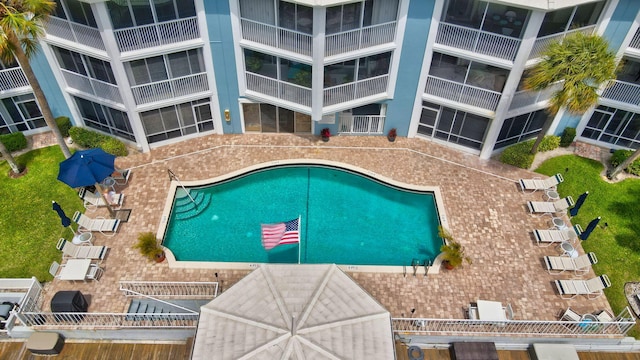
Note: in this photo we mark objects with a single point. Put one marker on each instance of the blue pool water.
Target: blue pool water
(346, 219)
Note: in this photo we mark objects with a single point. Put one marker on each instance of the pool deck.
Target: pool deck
(485, 209)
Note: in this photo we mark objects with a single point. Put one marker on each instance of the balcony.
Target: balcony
(276, 37)
(361, 124)
(359, 38)
(75, 32)
(12, 79)
(541, 43)
(466, 94)
(635, 42)
(355, 90)
(526, 98)
(170, 32)
(279, 89)
(98, 88)
(169, 89)
(478, 41)
(622, 91)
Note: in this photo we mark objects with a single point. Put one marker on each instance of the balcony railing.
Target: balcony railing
(355, 90)
(479, 41)
(277, 37)
(361, 124)
(466, 94)
(635, 42)
(541, 43)
(183, 290)
(12, 79)
(78, 33)
(109, 321)
(172, 88)
(623, 91)
(279, 89)
(94, 87)
(359, 38)
(526, 98)
(170, 32)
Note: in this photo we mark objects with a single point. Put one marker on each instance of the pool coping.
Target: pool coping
(173, 187)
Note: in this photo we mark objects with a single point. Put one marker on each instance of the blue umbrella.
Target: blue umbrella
(592, 225)
(65, 219)
(576, 207)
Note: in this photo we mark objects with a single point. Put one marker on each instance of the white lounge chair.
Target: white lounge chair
(592, 288)
(72, 250)
(92, 200)
(580, 265)
(540, 184)
(550, 208)
(102, 225)
(554, 236)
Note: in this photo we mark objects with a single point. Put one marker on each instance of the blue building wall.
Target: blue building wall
(49, 85)
(413, 47)
(222, 52)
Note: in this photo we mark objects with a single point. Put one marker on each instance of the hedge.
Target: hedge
(91, 139)
(519, 154)
(567, 137)
(619, 156)
(14, 141)
(64, 124)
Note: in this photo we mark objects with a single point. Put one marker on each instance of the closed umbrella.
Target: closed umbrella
(88, 167)
(579, 202)
(592, 225)
(65, 219)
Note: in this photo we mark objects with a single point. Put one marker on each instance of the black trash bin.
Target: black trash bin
(67, 302)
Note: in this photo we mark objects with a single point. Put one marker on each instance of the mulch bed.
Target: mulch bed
(631, 290)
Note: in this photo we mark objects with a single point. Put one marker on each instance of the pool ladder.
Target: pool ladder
(415, 263)
(173, 176)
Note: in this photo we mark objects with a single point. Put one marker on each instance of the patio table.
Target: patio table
(75, 269)
(490, 310)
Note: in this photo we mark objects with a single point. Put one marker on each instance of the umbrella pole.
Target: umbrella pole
(112, 212)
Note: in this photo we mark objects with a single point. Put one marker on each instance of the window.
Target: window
(520, 128)
(354, 70)
(614, 126)
(566, 19)
(106, 119)
(84, 65)
(278, 68)
(177, 120)
(24, 114)
(164, 67)
(453, 126)
(79, 12)
(468, 72)
(129, 13)
(491, 17)
(295, 17)
(267, 118)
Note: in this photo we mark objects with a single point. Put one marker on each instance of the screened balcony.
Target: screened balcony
(157, 34)
(542, 42)
(355, 90)
(277, 37)
(626, 88)
(12, 79)
(279, 89)
(479, 41)
(359, 38)
(171, 88)
(97, 88)
(74, 32)
(524, 98)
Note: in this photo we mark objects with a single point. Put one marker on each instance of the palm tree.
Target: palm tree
(614, 174)
(580, 64)
(20, 29)
(7, 156)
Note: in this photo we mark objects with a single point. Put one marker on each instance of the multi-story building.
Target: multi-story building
(448, 71)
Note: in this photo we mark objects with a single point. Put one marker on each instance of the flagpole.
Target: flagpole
(299, 237)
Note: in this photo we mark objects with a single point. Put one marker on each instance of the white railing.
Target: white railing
(12, 79)
(168, 89)
(170, 32)
(113, 321)
(466, 94)
(622, 91)
(361, 124)
(355, 90)
(279, 89)
(525, 97)
(277, 37)
(78, 33)
(359, 38)
(541, 43)
(94, 87)
(183, 290)
(635, 42)
(479, 41)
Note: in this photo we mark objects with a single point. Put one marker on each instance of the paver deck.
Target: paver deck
(485, 208)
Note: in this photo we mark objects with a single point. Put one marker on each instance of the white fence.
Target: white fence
(359, 38)
(91, 86)
(141, 37)
(106, 321)
(361, 124)
(78, 33)
(277, 37)
(467, 94)
(622, 91)
(12, 79)
(479, 41)
(355, 90)
(171, 88)
(279, 89)
(183, 290)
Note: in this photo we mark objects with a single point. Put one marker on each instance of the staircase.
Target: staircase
(149, 306)
(184, 208)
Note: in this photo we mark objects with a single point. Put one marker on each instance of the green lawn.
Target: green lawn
(29, 228)
(617, 246)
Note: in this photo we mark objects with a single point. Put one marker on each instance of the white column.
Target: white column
(101, 14)
(317, 78)
(528, 40)
(210, 69)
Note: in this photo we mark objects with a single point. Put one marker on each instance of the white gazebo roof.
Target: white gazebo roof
(294, 312)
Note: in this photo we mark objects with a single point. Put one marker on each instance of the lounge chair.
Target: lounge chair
(540, 184)
(592, 288)
(550, 208)
(570, 315)
(102, 225)
(580, 265)
(93, 201)
(121, 176)
(555, 236)
(72, 250)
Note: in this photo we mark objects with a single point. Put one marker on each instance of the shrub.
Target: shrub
(567, 136)
(14, 141)
(518, 155)
(621, 155)
(64, 124)
(91, 139)
(548, 143)
(114, 146)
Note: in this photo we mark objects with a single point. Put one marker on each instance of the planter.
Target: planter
(160, 257)
(447, 265)
(391, 138)
(325, 138)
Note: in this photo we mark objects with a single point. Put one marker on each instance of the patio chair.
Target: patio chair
(570, 315)
(540, 184)
(592, 288)
(100, 224)
(550, 208)
(95, 272)
(121, 176)
(580, 265)
(604, 316)
(71, 250)
(555, 236)
(92, 200)
(53, 269)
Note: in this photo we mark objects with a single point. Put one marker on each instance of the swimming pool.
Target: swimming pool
(348, 217)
